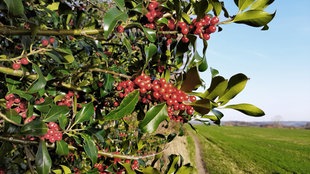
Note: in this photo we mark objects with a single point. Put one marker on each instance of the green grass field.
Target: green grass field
(255, 150)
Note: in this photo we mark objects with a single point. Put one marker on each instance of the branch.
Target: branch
(17, 141)
(9, 120)
(77, 32)
(109, 72)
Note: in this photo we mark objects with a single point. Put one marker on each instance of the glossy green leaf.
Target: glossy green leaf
(85, 113)
(63, 121)
(201, 106)
(214, 72)
(39, 83)
(261, 4)
(255, 18)
(150, 170)
(34, 128)
(66, 170)
(217, 7)
(69, 58)
(235, 85)
(149, 50)
(62, 148)
(162, 21)
(15, 7)
(45, 106)
(150, 34)
(14, 116)
(111, 19)
(186, 18)
(191, 80)
(217, 87)
(203, 66)
(55, 112)
(153, 118)
(55, 56)
(243, 4)
(200, 8)
(90, 147)
(247, 109)
(126, 107)
(128, 168)
(43, 160)
(184, 169)
(219, 115)
(173, 166)
(120, 4)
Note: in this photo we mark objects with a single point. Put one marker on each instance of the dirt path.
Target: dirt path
(179, 146)
(200, 163)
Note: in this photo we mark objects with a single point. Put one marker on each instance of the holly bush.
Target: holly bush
(101, 86)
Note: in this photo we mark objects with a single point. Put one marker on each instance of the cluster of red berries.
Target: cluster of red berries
(67, 100)
(17, 65)
(158, 91)
(53, 133)
(16, 103)
(46, 42)
(202, 27)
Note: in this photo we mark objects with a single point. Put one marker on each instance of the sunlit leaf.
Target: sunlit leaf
(153, 118)
(217, 87)
(261, 4)
(247, 109)
(55, 112)
(126, 107)
(255, 18)
(243, 4)
(235, 85)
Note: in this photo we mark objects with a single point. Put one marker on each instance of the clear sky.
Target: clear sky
(277, 61)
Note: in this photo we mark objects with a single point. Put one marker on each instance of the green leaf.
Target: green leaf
(150, 170)
(126, 107)
(62, 148)
(185, 169)
(261, 4)
(191, 80)
(217, 87)
(153, 118)
(120, 4)
(110, 20)
(14, 116)
(150, 34)
(90, 147)
(55, 112)
(235, 85)
(217, 7)
(34, 128)
(150, 50)
(45, 106)
(200, 8)
(63, 121)
(39, 83)
(66, 170)
(85, 113)
(128, 168)
(243, 4)
(201, 106)
(254, 18)
(247, 109)
(43, 159)
(15, 7)
(214, 72)
(174, 159)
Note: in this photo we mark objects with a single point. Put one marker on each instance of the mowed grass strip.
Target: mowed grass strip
(255, 150)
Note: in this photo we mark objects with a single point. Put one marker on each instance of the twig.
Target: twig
(17, 141)
(109, 72)
(9, 120)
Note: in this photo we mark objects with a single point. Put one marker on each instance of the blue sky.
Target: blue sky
(277, 61)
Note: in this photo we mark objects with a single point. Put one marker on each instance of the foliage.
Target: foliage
(90, 86)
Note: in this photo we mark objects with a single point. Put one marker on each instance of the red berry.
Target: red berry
(212, 29)
(214, 20)
(24, 61)
(115, 104)
(169, 41)
(16, 66)
(185, 39)
(51, 40)
(171, 24)
(44, 42)
(120, 29)
(185, 31)
(182, 24)
(206, 36)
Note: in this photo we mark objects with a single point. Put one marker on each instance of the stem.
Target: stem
(9, 120)
(77, 32)
(18, 141)
(113, 155)
(25, 55)
(109, 72)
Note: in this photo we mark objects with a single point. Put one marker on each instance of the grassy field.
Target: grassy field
(255, 150)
